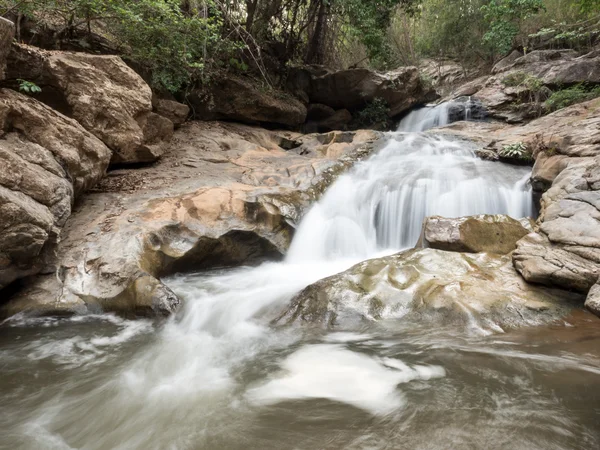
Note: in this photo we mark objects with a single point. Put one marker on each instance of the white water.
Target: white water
(428, 117)
(205, 379)
(380, 205)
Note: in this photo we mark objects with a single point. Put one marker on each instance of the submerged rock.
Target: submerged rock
(472, 234)
(46, 161)
(102, 93)
(477, 290)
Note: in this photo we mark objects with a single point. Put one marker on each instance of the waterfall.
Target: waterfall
(380, 205)
(427, 117)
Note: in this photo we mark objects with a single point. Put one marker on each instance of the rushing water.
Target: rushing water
(220, 376)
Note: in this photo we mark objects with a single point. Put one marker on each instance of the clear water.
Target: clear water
(220, 375)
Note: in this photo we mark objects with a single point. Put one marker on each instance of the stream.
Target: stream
(221, 375)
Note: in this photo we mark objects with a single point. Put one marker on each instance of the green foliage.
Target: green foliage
(569, 96)
(518, 151)
(375, 113)
(28, 87)
(504, 18)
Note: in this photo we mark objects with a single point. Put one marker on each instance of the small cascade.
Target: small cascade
(380, 205)
(432, 116)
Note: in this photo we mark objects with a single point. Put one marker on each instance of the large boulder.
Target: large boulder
(102, 93)
(480, 291)
(226, 194)
(7, 34)
(353, 89)
(235, 98)
(472, 234)
(46, 160)
(566, 251)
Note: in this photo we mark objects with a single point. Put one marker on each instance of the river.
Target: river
(222, 375)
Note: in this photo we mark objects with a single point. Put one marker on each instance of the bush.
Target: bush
(569, 96)
(376, 112)
(517, 151)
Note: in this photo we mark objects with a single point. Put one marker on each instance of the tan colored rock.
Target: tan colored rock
(102, 93)
(481, 290)
(225, 194)
(7, 34)
(174, 111)
(472, 234)
(240, 99)
(46, 160)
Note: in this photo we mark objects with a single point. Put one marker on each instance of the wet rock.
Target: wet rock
(472, 234)
(338, 121)
(236, 98)
(481, 290)
(7, 34)
(353, 89)
(225, 195)
(46, 161)
(102, 93)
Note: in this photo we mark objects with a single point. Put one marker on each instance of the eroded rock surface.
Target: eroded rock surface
(224, 194)
(476, 290)
(46, 160)
(102, 93)
(472, 234)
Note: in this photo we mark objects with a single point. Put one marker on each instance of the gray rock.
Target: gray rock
(592, 301)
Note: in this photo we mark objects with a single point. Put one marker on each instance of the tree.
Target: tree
(504, 18)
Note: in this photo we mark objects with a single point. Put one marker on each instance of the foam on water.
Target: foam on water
(332, 372)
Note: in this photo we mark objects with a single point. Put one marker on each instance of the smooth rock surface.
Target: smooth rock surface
(102, 93)
(46, 160)
(481, 291)
(225, 194)
(472, 234)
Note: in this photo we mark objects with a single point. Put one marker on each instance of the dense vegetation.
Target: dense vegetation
(178, 41)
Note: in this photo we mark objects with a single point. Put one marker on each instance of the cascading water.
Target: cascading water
(218, 376)
(428, 117)
(381, 204)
